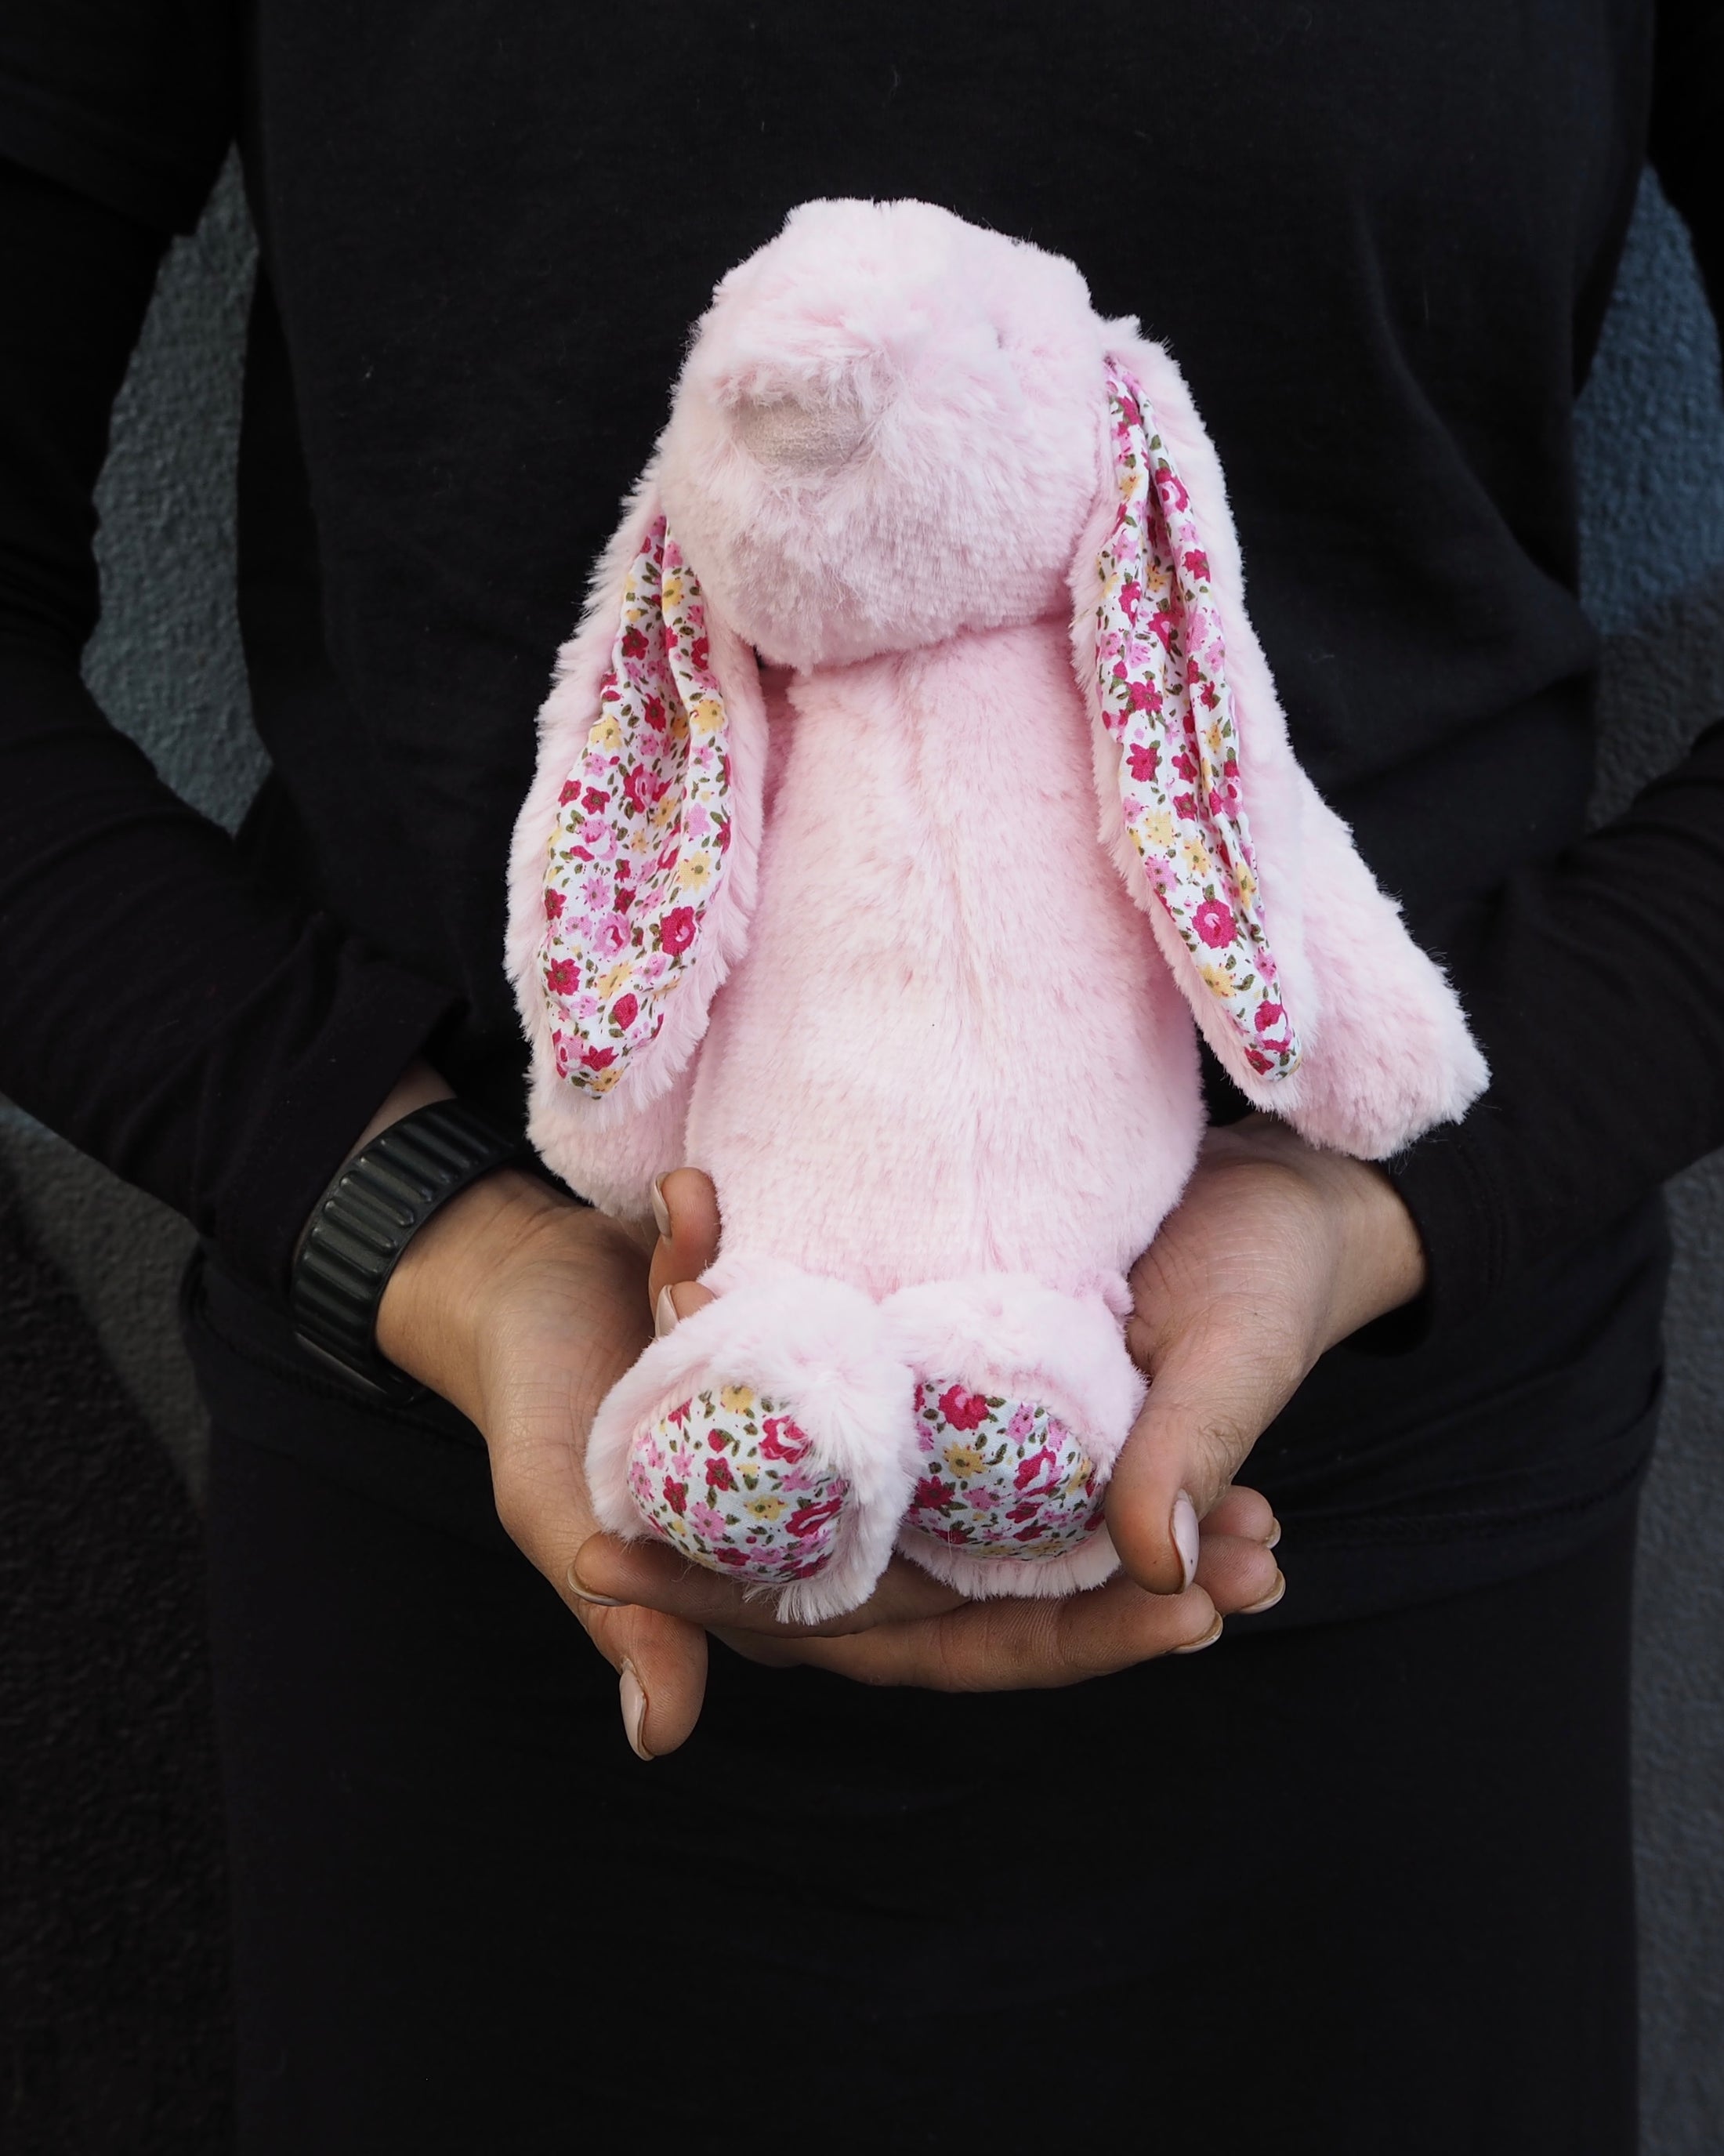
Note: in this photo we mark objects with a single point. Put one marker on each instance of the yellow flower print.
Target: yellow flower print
(665, 807)
(707, 715)
(1246, 880)
(1157, 828)
(1215, 740)
(963, 1460)
(1218, 981)
(606, 734)
(1195, 854)
(673, 593)
(694, 873)
(738, 1399)
(612, 984)
(764, 1508)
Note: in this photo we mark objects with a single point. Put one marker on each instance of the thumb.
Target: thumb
(660, 1663)
(685, 1207)
(1214, 1388)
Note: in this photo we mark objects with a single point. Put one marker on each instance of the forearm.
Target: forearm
(1596, 987)
(208, 1042)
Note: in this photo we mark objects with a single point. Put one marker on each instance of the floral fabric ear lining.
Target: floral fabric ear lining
(1161, 671)
(638, 850)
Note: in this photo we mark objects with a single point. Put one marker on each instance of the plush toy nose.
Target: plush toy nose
(787, 435)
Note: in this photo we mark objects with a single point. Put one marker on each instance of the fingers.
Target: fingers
(685, 1206)
(1238, 1574)
(1214, 1389)
(661, 1673)
(651, 1574)
(1009, 1645)
(541, 1501)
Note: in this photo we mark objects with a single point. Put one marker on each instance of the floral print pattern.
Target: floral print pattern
(643, 828)
(728, 1480)
(1161, 668)
(1000, 1477)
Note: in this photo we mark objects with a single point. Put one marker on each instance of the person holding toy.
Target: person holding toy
(1077, 1054)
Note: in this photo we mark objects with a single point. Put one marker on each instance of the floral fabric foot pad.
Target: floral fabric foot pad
(1001, 1477)
(728, 1479)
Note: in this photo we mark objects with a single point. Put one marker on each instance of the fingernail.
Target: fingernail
(632, 1700)
(1185, 1535)
(1274, 1535)
(661, 1211)
(664, 1314)
(585, 1594)
(1197, 1647)
(1268, 1600)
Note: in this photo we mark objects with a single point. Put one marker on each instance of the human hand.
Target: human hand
(911, 1630)
(1276, 1251)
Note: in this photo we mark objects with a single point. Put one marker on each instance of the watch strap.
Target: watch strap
(367, 1217)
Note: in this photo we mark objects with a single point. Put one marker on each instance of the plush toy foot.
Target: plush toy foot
(1024, 1397)
(770, 1438)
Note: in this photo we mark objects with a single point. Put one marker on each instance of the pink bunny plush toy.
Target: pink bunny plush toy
(913, 782)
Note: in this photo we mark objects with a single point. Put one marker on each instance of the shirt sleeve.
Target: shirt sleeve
(158, 1008)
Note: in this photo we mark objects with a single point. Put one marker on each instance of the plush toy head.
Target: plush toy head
(888, 430)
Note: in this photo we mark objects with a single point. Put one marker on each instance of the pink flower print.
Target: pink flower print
(595, 835)
(680, 1414)
(781, 1439)
(1109, 644)
(634, 643)
(595, 801)
(676, 931)
(963, 1410)
(1196, 560)
(696, 822)
(584, 1007)
(652, 710)
(1269, 1017)
(1171, 490)
(718, 1475)
(1186, 764)
(1161, 625)
(610, 934)
(705, 1521)
(562, 977)
(932, 1494)
(697, 655)
(1143, 696)
(598, 1058)
(676, 1496)
(1214, 923)
(569, 792)
(1130, 593)
(553, 904)
(624, 1012)
(1144, 761)
(1023, 1422)
(595, 890)
(809, 1519)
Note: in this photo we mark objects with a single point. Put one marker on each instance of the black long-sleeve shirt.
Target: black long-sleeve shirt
(1380, 244)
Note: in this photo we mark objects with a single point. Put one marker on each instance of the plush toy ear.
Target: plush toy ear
(633, 871)
(1162, 682)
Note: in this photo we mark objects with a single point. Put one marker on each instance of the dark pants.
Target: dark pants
(1364, 1887)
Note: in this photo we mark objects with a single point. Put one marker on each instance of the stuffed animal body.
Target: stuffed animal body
(913, 792)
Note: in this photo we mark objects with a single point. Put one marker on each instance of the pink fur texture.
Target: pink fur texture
(936, 1045)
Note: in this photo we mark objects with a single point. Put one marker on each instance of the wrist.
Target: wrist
(1376, 1256)
(432, 1308)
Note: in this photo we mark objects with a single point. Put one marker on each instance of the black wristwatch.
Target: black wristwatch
(366, 1217)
